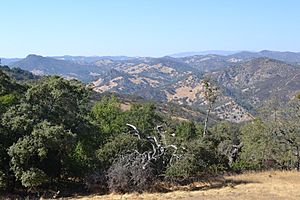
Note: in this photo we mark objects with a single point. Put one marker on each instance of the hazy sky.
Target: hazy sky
(146, 27)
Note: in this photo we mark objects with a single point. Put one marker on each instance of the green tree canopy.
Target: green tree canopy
(41, 154)
(109, 117)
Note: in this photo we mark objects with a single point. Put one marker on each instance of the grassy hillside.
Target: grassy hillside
(275, 185)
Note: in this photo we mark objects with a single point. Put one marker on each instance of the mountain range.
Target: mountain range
(246, 80)
(194, 53)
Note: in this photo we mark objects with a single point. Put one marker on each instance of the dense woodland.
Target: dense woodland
(55, 137)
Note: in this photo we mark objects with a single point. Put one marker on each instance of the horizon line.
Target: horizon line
(166, 55)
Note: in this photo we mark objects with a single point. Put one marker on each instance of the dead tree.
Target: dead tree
(210, 95)
(137, 171)
(234, 153)
(158, 145)
(230, 150)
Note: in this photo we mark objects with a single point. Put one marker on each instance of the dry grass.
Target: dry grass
(125, 106)
(272, 185)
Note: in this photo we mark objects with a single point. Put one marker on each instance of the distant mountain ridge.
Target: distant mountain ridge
(40, 65)
(291, 57)
(286, 56)
(201, 53)
(8, 61)
(91, 59)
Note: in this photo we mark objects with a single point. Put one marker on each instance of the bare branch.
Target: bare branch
(136, 131)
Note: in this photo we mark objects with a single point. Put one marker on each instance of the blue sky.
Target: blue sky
(146, 27)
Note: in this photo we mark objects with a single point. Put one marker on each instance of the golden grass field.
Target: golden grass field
(271, 185)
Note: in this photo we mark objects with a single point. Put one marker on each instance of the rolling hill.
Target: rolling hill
(290, 57)
(256, 81)
(246, 79)
(40, 65)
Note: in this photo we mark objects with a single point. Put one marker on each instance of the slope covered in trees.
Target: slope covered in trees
(18, 73)
(55, 137)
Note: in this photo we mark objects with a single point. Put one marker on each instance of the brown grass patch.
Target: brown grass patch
(270, 185)
(125, 106)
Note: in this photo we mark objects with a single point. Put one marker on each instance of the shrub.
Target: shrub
(242, 165)
(200, 158)
(129, 174)
(96, 182)
(182, 168)
(3, 183)
(42, 152)
(120, 145)
(33, 177)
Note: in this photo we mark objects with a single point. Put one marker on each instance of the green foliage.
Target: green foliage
(80, 161)
(9, 92)
(116, 146)
(33, 177)
(223, 137)
(225, 131)
(244, 165)
(108, 116)
(144, 117)
(270, 144)
(45, 149)
(197, 159)
(19, 120)
(8, 86)
(112, 123)
(58, 101)
(7, 101)
(47, 128)
(183, 168)
(19, 74)
(257, 144)
(186, 130)
(53, 99)
(3, 179)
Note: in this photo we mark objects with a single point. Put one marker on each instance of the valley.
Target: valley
(246, 80)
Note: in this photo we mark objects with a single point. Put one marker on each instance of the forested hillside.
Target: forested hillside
(18, 74)
(57, 135)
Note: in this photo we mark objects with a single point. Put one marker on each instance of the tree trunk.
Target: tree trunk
(298, 159)
(206, 120)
